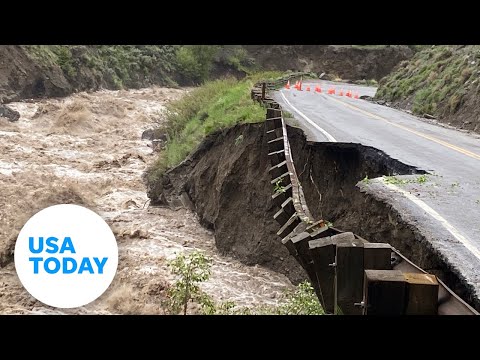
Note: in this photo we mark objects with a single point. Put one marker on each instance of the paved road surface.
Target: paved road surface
(447, 205)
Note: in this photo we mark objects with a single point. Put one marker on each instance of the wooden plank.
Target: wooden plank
(279, 197)
(347, 237)
(275, 144)
(289, 226)
(279, 169)
(274, 134)
(277, 156)
(421, 294)
(384, 292)
(349, 260)
(323, 255)
(377, 256)
(273, 123)
(288, 206)
(281, 217)
(284, 179)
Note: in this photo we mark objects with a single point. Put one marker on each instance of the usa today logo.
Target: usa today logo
(66, 256)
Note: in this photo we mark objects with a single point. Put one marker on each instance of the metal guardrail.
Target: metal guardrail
(349, 274)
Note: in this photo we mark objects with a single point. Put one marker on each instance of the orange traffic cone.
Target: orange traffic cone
(299, 86)
(308, 88)
(349, 94)
(356, 96)
(340, 93)
(288, 85)
(318, 89)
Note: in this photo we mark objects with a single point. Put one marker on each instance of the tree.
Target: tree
(192, 269)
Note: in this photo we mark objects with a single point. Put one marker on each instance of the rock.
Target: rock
(366, 97)
(381, 102)
(148, 134)
(139, 233)
(428, 116)
(8, 113)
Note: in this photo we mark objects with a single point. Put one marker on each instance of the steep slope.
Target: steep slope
(352, 62)
(441, 81)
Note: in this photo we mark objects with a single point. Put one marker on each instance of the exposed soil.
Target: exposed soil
(87, 149)
(25, 77)
(346, 62)
(227, 182)
(329, 174)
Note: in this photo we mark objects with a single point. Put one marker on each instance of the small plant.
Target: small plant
(287, 114)
(394, 180)
(239, 140)
(302, 301)
(455, 184)
(366, 180)
(278, 188)
(478, 201)
(328, 223)
(422, 179)
(191, 269)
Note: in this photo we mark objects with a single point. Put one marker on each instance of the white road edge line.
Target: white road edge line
(452, 230)
(327, 135)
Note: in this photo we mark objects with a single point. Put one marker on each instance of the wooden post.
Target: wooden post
(377, 256)
(263, 91)
(300, 242)
(422, 294)
(323, 256)
(384, 292)
(349, 270)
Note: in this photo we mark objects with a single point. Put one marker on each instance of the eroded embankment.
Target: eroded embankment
(329, 173)
(227, 181)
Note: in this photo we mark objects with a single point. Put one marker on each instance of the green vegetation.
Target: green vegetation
(215, 105)
(118, 65)
(422, 179)
(123, 66)
(435, 81)
(191, 269)
(195, 61)
(278, 188)
(195, 268)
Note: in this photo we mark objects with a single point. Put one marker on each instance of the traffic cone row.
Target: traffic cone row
(318, 89)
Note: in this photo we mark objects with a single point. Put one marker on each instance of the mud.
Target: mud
(87, 149)
(227, 182)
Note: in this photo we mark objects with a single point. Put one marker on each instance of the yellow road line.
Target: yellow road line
(429, 137)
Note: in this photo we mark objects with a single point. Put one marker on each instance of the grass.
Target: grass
(215, 105)
(422, 179)
(435, 80)
(119, 66)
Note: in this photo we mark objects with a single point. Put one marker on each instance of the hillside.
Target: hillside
(351, 62)
(441, 81)
(58, 70)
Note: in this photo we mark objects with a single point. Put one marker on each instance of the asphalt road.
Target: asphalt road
(446, 207)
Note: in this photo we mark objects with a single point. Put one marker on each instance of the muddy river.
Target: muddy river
(87, 149)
